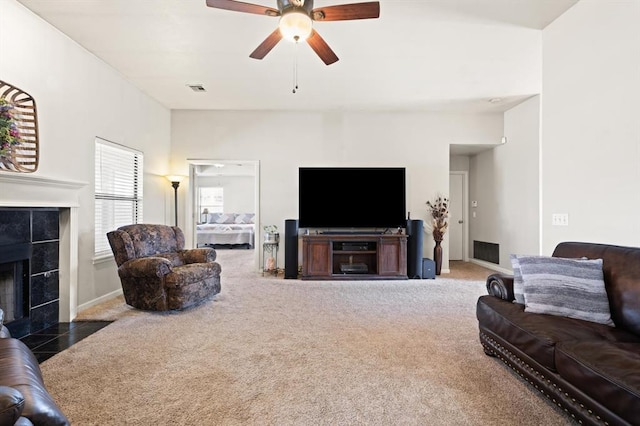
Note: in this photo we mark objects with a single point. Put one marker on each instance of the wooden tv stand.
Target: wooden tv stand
(354, 257)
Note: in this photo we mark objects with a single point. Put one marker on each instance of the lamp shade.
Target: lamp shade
(295, 26)
(175, 178)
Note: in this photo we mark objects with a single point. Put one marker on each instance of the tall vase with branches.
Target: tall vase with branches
(438, 209)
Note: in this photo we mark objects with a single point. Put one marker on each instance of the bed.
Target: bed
(228, 229)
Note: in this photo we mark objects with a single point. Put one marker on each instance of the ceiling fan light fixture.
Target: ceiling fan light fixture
(295, 26)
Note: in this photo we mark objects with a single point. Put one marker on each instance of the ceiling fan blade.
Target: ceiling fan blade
(346, 12)
(321, 47)
(266, 46)
(238, 6)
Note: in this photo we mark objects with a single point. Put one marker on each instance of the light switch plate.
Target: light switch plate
(560, 219)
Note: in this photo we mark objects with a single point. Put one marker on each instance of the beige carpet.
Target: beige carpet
(269, 351)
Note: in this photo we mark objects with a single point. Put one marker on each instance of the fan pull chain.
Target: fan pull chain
(295, 65)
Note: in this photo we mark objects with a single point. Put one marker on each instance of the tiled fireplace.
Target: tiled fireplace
(38, 251)
(29, 264)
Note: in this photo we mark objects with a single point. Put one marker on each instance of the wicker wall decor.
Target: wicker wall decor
(18, 130)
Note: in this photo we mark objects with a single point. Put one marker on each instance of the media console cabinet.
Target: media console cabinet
(354, 257)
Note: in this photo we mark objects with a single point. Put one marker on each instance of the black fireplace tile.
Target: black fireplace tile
(34, 340)
(48, 342)
(44, 288)
(88, 328)
(45, 257)
(59, 328)
(46, 224)
(58, 344)
(15, 226)
(43, 356)
(44, 316)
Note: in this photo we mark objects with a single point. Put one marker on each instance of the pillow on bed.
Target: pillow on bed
(221, 218)
(245, 217)
(212, 217)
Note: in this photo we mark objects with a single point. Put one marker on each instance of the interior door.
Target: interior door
(456, 216)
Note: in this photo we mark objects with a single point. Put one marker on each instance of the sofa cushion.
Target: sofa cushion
(607, 371)
(572, 288)
(537, 334)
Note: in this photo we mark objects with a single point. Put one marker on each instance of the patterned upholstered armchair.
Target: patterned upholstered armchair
(157, 273)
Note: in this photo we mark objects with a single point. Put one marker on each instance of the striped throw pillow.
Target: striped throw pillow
(518, 287)
(572, 288)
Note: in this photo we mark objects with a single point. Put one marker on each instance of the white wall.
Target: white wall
(78, 97)
(238, 191)
(459, 163)
(505, 183)
(590, 115)
(284, 141)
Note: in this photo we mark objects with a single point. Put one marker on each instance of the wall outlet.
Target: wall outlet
(560, 219)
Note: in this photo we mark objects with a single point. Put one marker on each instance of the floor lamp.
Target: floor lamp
(175, 183)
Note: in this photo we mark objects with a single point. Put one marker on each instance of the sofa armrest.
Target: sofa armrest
(501, 285)
(11, 405)
(144, 267)
(198, 255)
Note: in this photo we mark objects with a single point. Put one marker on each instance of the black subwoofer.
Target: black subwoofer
(414, 248)
(291, 248)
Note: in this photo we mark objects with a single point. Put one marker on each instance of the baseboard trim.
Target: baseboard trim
(492, 266)
(99, 300)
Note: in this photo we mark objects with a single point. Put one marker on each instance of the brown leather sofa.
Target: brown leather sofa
(157, 273)
(23, 398)
(590, 370)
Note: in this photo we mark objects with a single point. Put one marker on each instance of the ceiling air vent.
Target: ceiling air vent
(197, 87)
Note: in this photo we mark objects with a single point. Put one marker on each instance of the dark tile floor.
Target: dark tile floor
(48, 342)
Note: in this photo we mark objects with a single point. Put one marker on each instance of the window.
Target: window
(211, 199)
(118, 191)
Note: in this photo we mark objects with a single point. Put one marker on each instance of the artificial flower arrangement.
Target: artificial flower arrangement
(439, 211)
(9, 134)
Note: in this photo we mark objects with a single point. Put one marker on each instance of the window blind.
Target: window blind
(118, 190)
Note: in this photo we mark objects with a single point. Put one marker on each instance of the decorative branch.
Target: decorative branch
(439, 211)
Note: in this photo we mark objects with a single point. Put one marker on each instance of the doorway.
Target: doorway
(235, 185)
(458, 211)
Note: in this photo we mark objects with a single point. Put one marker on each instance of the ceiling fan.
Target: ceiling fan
(296, 22)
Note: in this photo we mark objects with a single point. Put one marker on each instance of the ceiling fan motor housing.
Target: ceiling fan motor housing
(285, 5)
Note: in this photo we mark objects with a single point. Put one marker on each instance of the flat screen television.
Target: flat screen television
(351, 197)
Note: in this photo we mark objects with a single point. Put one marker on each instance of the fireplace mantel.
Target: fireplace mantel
(24, 190)
(20, 190)
(40, 180)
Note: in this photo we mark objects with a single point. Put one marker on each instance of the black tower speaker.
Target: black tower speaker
(414, 248)
(291, 248)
